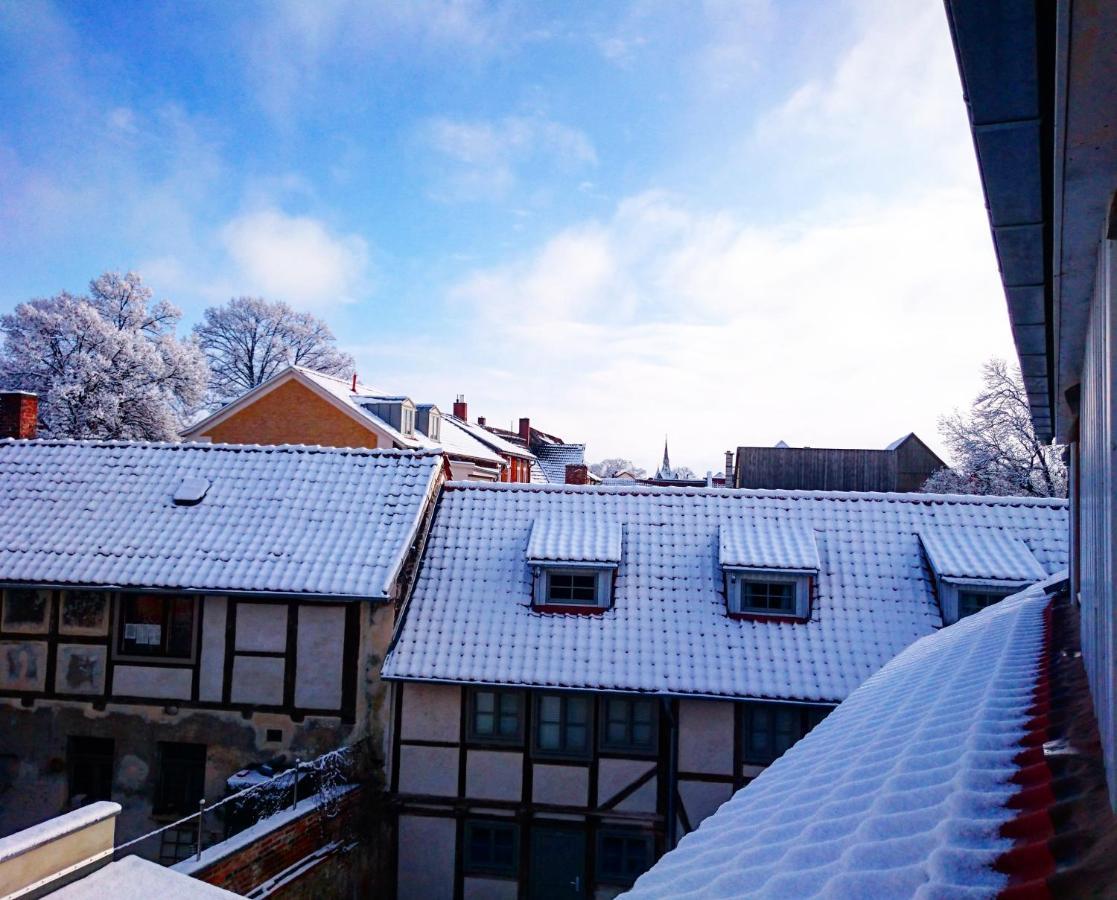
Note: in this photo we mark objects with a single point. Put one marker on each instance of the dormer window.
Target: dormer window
(769, 567)
(975, 567)
(573, 562)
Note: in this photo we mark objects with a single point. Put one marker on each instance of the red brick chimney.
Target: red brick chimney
(461, 410)
(19, 414)
(525, 430)
(575, 474)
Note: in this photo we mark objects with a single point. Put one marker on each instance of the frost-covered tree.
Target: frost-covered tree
(684, 473)
(249, 339)
(106, 365)
(995, 447)
(609, 468)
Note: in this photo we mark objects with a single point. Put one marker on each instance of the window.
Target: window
(89, 765)
(562, 724)
(159, 625)
(26, 609)
(768, 596)
(496, 716)
(973, 601)
(769, 729)
(491, 848)
(628, 724)
(586, 588)
(182, 777)
(622, 856)
(85, 612)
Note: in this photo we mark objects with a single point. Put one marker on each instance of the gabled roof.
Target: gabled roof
(760, 543)
(554, 458)
(458, 441)
(278, 520)
(901, 792)
(469, 618)
(979, 553)
(574, 538)
(494, 441)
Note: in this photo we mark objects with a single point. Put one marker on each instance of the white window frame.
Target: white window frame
(949, 588)
(603, 589)
(735, 579)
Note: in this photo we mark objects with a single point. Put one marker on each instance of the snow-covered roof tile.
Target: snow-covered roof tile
(900, 792)
(767, 544)
(977, 552)
(470, 616)
(300, 520)
(574, 539)
(554, 458)
(457, 441)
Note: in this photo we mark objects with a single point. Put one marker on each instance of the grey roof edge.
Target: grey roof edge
(235, 448)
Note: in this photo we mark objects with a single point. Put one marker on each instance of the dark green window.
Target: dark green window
(970, 602)
(769, 729)
(768, 596)
(572, 588)
(496, 716)
(562, 724)
(628, 724)
(622, 856)
(491, 848)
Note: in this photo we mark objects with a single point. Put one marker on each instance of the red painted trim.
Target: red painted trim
(1030, 862)
(569, 610)
(762, 617)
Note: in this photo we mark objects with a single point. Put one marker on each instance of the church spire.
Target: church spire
(665, 472)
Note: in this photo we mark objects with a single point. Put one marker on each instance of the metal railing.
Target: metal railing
(323, 777)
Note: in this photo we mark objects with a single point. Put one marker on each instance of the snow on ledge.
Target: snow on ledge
(57, 828)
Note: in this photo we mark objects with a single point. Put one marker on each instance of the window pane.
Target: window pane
(571, 587)
(970, 602)
(577, 710)
(575, 736)
(485, 701)
(616, 733)
(768, 596)
(549, 736)
(642, 734)
(787, 729)
(180, 640)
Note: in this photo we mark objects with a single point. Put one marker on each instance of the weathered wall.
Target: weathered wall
(1095, 537)
(292, 414)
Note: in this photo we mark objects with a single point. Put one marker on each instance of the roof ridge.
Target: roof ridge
(869, 496)
(236, 448)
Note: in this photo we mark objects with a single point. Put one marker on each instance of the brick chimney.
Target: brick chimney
(19, 414)
(575, 474)
(729, 480)
(525, 433)
(461, 410)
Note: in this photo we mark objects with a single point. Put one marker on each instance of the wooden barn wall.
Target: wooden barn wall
(806, 468)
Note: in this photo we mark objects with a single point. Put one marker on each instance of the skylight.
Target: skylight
(191, 491)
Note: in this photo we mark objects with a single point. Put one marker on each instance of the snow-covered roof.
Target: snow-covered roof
(493, 441)
(132, 878)
(342, 390)
(979, 553)
(577, 538)
(470, 617)
(900, 792)
(767, 544)
(554, 458)
(457, 441)
(282, 519)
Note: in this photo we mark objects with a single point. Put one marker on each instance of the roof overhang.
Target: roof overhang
(1038, 80)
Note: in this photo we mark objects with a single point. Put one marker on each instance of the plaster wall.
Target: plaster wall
(211, 676)
(431, 712)
(318, 670)
(562, 785)
(159, 682)
(706, 736)
(262, 626)
(428, 770)
(493, 775)
(426, 857)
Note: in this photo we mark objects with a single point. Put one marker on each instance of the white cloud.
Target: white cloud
(295, 258)
(850, 331)
(482, 160)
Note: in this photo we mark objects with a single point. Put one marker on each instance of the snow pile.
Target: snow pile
(900, 792)
(271, 519)
(470, 617)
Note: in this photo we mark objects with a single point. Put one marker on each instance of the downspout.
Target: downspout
(670, 832)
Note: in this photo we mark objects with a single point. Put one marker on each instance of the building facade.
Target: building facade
(582, 675)
(170, 614)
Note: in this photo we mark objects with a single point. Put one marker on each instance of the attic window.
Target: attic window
(768, 567)
(191, 491)
(975, 567)
(573, 559)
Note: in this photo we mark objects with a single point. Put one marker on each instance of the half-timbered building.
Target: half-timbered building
(170, 613)
(582, 675)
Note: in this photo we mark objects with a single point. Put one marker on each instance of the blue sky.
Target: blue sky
(731, 222)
